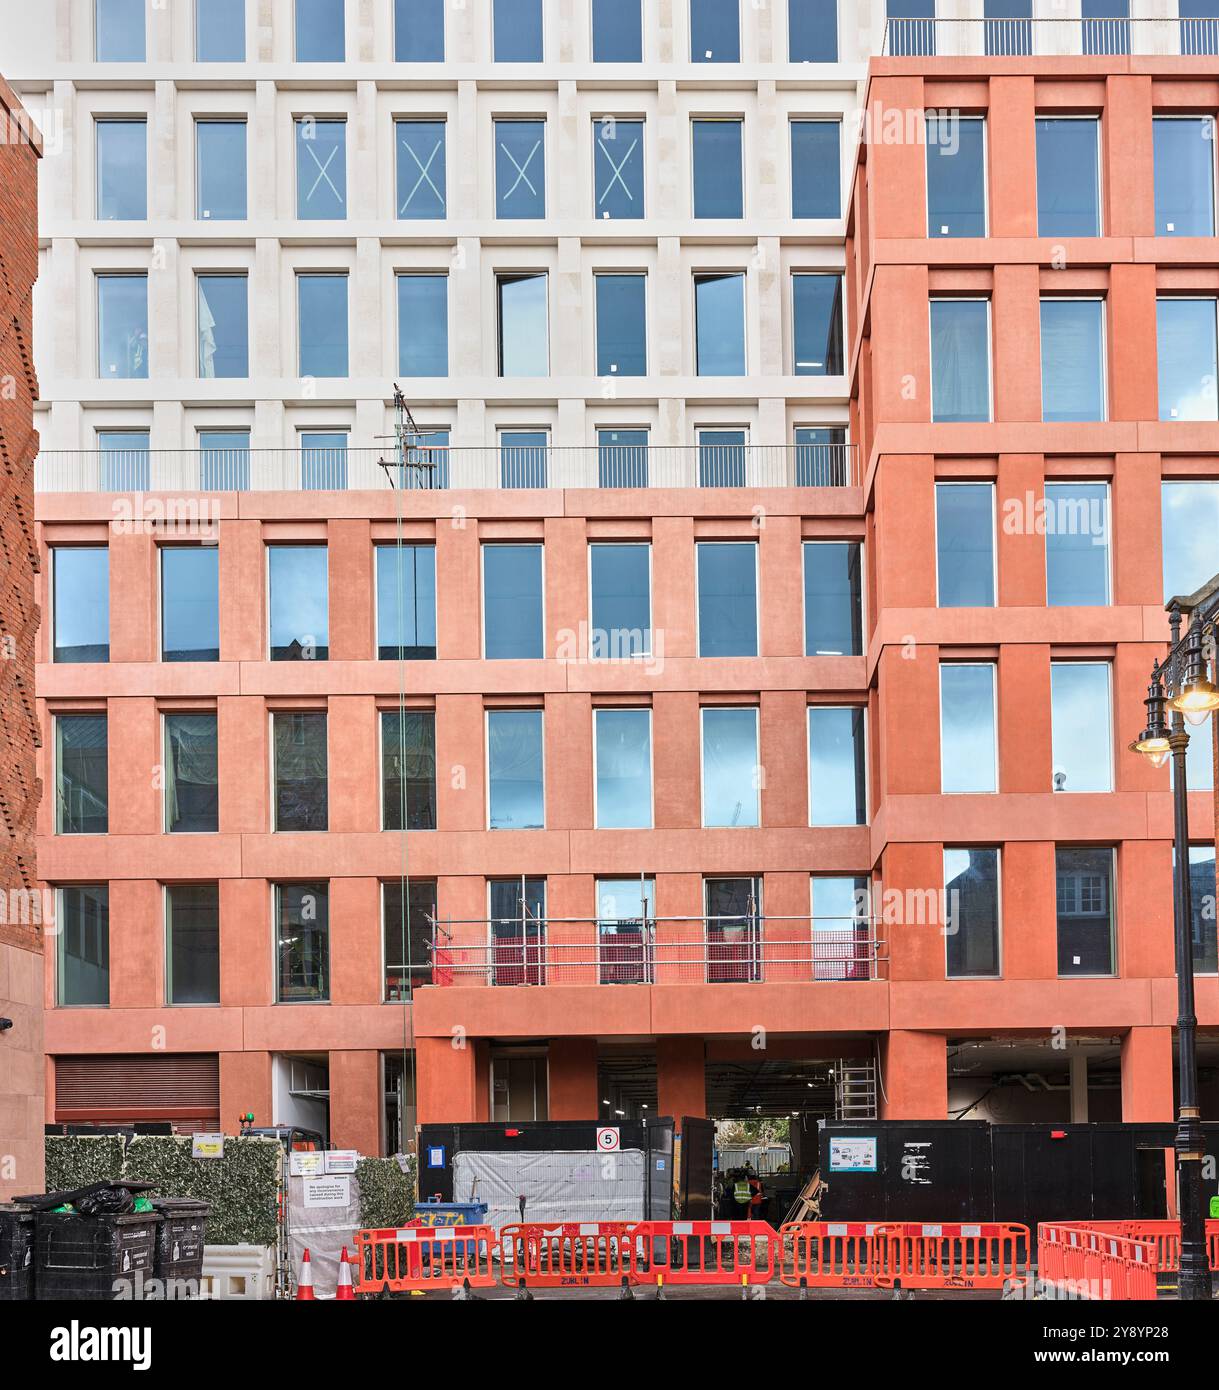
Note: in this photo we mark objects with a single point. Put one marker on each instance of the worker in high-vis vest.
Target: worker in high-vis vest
(742, 1194)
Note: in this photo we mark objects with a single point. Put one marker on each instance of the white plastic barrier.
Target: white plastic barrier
(238, 1271)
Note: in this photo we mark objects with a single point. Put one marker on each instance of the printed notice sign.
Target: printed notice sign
(852, 1154)
(328, 1192)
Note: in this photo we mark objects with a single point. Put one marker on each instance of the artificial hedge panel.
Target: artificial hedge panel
(387, 1194)
(77, 1160)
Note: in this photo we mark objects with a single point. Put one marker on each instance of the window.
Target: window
(731, 775)
(223, 325)
(406, 921)
(1077, 544)
(618, 168)
(323, 460)
(1068, 176)
(191, 777)
(422, 185)
(122, 326)
(518, 931)
(626, 913)
(520, 169)
(812, 31)
(842, 943)
(956, 176)
(719, 188)
(1202, 904)
(617, 31)
(517, 31)
(1106, 26)
(727, 598)
(833, 604)
(80, 588)
(516, 798)
(1199, 20)
(322, 311)
(1184, 175)
(817, 322)
(83, 974)
(623, 743)
(319, 31)
(622, 325)
(965, 544)
(719, 324)
(224, 460)
(971, 892)
(1072, 359)
(622, 458)
(418, 31)
(1084, 880)
(721, 458)
(82, 795)
(219, 31)
(423, 325)
(715, 31)
(512, 602)
(190, 603)
(816, 169)
(968, 761)
(300, 770)
(1189, 523)
(838, 793)
(302, 943)
(122, 172)
(524, 325)
(1009, 27)
(620, 582)
(192, 943)
(1185, 348)
(118, 31)
(911, 28)
(960, 360)
(821, 457)
(124, 463)
(522, 458)
(406, 602)
(408, 769)
(299, 602)
(1081, 720)
(733, 909)
(220, 171)
(321, 169)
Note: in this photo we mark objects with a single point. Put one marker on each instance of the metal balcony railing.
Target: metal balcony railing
(1017, 38)
(655, 951)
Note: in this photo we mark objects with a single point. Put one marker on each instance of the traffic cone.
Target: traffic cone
(304, 1285)
(344, 1293)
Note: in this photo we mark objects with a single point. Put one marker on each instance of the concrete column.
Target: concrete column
(271, 353)
(564, 150)
(356, 1103)
(681, 1077)
(464, 188)
(363, 183)
(668, 299)
(166, 312)
(246, 930)
(162, 154)
(245, 1086)
(766, 330)
(263, 194)
(1147, 1094)
(568, 322)
(769, 180)
(466, 352)
(572, 1079)
(1079, 1088)
(447, 1083)
(914, 1073)
(368, 298)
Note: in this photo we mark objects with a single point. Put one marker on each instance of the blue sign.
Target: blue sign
(435, 1156)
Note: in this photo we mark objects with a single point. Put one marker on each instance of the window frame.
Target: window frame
(1168, 115)
(697, 274)
(756, 711)
(1102, 301)
(990, 353)
(993, 668)
(540, 547)
(805, 543)
(599, 710)
(381, 712)
(757, 598)
(167, 888)
(1110, 716)
(62, 940)
(1115, 963)
(596, 543)
(488, 711)
(941, 236)
(697, 118)
(165, 716)
(621, 274)
(997, 851)
(1097, 119)
(794, 119)
(1107, 484)
(206, 119)
(862, 709)
(992, 484)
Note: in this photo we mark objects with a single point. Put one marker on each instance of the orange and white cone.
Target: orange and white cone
(304, 1285)
(344, 1293)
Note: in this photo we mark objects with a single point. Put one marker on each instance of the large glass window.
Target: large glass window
(833, 603)
(82, 788)
(422, 176)
(618, 168)
(1185, 347)
(1106, 26)
(219, 31)
(520, 169)
(821, 456)
(419, 31)
(299, 602)
(518, 31)
(80, 587)
(956, 176)
(122, 326)
(192, 943)
(320, 31)
(838, 786)
(731, 773)
(733, 908)
(971, 892)
(1085, 911)
(1184, 175)
(965, 544)
(302, 943)
(321, 169)
(118, 31)
(220, 171)
(83, 974)
(622, 458)
(518, 932)
(223, 326)
(816, 169)
(626, 915)
(190, 603)
(1068, 176)
(423, 325)
(524, 325)
(622, 325)
(1199, 20)
(407, 920)
(1189, 524)
(512, 602)
(122, 171)
(192, 802)
(719, 324)
(1077, 544)
(408, 769)
(322, 324)
(719, 189)
(817, 325)
(1009, 27)
(960, 360)
(124, 462)
(406, 602)
(617, 31)
(727, 598)
(224, 460)
(911, 28)
(1072, 359)
(620, 582)
(715, 31)
(1082, 723)
(843, 947)
(812, 31)
(623, 751)
(968, 761)
(1202, 906)
(515, 791)
(300, 770)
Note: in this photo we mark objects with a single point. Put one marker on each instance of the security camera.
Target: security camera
(5, 1024)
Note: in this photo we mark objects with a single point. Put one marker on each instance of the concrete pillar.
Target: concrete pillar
(356, 1102)
(447, 1082)
(914, 1075)
(1147, 1075)
(1079, 1088)
(245, 1087)
(572, 1079)
(681, 1077)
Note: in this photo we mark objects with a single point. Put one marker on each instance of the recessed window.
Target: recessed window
(523, 456)
(520, 169)
(626, 913)
(622, 740)
(192, 943)
(816, 156)
(911, 29)
(518, 937)
(715, 31)
(406, 602)
(220, 171)
(622, 458)
(733, 908)
(727, 598)
(843, 948)
(968, 761)
(1202, 937)
(1184, 175)
(219, 31)
(224, 460)
(408, 769)
(971, 891)
(1081, 725)
(80, 587)
(1072, 359)
(321, 169)
(719, 324)
(1189, 524)
(299, 602)
(1185, 350)
(419, 31)
(812, 31)
(423, 325)
(960, 360)
(622, 325)
(1068, 176)
(956, 176)
(821, 456)
(1084, 891)
(1106, 26)
(617, 31)
(817, 325)
(1009, 27)
(721, 457)
(300, 770)
(620, 585)
(407, 926)
(323, 460)
(322, 320)
(524, 325)
(618, 168)
(124, 463)
(122, 327)
(82, 788)
(719, 189)
(118, 31)
(302, 943)
(965, 544)
(82, 976)
(320, 31)
(512, 603)
(517, 31)
(190, 603)
(223, 326)
(122, 170)
(192, 803)
(838, 788)
(731, 774)
(422, 177)
(1077, 544)
(516, 798)
(833, 605)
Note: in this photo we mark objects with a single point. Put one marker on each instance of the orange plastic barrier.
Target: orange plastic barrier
(829, 1254)
(568, 1255)
(1081, 1262)
(707, 1252)
(1165, 1236)
(424, 1258)
(951, 1255)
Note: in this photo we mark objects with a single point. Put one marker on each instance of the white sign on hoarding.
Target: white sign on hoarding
(309, 1163)
(608, 1140)
(341, 1160)
(207, 1146)
(328, 1192)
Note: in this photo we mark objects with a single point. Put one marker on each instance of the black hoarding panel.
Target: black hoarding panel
(694, 1199)
(906, 1170)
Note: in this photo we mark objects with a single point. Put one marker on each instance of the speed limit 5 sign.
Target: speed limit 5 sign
(608, 1141)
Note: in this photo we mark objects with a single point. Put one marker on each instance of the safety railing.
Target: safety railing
(709, 1252)
(830, 1255)
(1049, 37)
(952, 1255)
(1079, 1261)
(599, 1254)
(423, 1258)
(1164, 1237)
(506, 468)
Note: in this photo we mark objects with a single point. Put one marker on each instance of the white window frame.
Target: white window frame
(859, 543)
(1096, 119)
(808, 766)
(993, 668)
(990, 352)
(482, 597)
(510, 709)
(592, 626)
(941, 236)
(1107, 666)
(598, 710)
(757, 593)
(1086, 482)
(702, 774)
(994, 544)
(1101, 300)
(997, 850)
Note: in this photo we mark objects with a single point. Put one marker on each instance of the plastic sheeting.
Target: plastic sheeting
(323, 1231)
(557, 1186)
